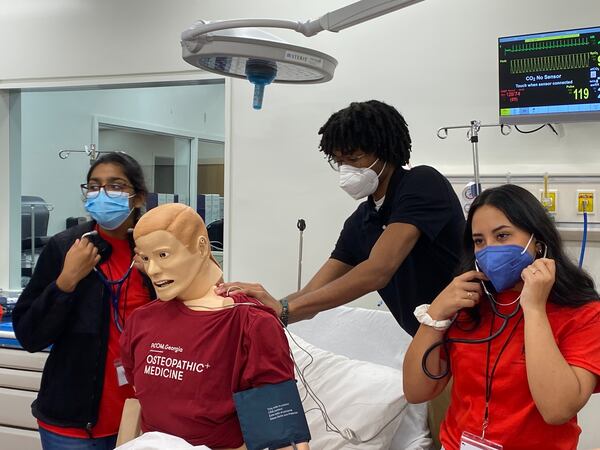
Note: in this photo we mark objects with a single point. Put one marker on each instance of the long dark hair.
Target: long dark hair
(131, 169)
(373, 126)
(572, 286)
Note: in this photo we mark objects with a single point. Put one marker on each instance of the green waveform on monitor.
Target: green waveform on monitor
(547, 45)
(550, 63)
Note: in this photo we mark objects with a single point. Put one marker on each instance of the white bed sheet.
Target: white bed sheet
(373, 336)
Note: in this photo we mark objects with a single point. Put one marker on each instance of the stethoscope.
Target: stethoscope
(114, 286)
(444, 342)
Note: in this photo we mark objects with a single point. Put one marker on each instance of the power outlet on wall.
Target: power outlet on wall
(586, 201)
(550, 200)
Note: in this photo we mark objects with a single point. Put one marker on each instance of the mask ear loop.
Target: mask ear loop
(527, 245)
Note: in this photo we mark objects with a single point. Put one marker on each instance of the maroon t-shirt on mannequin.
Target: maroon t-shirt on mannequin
(186, 364)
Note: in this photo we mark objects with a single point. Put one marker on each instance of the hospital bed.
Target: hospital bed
(357, 359)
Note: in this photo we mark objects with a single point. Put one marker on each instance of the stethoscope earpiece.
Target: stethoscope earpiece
(89, 233)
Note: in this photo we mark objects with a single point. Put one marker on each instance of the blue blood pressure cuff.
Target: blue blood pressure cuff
(271, 416)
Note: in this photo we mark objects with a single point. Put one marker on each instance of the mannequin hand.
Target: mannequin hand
(463, 292)
(81, 258)
(538, 278)
(302, 446)
(253, 290)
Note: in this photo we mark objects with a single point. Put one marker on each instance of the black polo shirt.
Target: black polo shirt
(424, 198)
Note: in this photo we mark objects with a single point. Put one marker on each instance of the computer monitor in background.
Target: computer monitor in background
(550, 77)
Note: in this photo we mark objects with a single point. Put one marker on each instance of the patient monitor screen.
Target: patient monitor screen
(552, 76)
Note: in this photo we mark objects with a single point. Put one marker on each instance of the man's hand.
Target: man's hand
(253, 290)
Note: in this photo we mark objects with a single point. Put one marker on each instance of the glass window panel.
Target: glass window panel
(51, 121)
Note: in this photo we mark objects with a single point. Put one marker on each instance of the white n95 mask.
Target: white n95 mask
(359, 182)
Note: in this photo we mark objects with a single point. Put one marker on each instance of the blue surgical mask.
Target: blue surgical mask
(503, 264)
(109, 212)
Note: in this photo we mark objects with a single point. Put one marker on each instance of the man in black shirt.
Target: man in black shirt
(404, 241)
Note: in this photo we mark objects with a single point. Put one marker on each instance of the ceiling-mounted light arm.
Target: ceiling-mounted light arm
(334, 21)
(358, 12)
(201, 27)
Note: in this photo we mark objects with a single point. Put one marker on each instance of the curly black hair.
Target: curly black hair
(373, 127)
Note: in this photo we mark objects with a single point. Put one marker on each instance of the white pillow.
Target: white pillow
(159, 441)
(358, 395)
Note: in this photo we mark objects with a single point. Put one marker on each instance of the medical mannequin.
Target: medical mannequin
(189, 352)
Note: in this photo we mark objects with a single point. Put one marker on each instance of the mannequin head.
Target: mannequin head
(173, 244)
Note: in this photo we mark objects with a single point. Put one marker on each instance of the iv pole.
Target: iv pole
(89, 150)
(301, 227)
(473, 136)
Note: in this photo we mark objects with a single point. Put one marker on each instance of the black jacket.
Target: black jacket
(76, 325)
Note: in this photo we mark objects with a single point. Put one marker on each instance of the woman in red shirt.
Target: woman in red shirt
(70, 304)
(518, 333)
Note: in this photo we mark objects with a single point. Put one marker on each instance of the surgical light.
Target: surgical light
(236, 48)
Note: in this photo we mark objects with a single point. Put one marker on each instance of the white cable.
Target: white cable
(347, 433)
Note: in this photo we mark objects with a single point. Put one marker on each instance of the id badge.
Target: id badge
(121, 378)
(470, 441)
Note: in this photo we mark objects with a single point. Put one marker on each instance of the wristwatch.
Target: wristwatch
(285, 309)
(424, 318)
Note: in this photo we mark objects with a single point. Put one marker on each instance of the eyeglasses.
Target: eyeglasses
(113, 190)
(335, 164)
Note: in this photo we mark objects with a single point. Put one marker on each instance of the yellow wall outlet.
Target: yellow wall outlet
(586, 201)
(549, 202)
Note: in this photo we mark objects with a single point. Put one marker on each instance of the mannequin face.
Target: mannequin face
(171, 266)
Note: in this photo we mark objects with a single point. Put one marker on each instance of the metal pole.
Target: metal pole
(474, 138)
(301, 226)
(32, 221)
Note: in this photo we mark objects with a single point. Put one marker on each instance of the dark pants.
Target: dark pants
(53, 441)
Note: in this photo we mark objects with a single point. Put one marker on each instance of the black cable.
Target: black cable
(489, 377)
(444, 342)
(536, 129)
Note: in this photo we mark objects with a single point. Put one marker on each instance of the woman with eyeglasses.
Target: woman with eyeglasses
(84, 287)
(518, 333)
